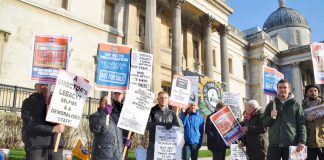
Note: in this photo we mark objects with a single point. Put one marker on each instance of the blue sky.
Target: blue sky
(250, 13)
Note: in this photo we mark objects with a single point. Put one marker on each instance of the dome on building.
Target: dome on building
(285, 17)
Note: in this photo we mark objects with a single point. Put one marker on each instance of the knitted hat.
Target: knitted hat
(309, 86)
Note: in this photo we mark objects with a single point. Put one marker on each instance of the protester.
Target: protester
(38, 135)
(193, 123)
(314, 123)
(215, 142)
(108, 141)
(160, 115)
(254, 138)
(286, 122)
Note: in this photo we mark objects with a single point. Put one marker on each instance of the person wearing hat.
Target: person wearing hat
(314, 122)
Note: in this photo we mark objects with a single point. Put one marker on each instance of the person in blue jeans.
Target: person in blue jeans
(193, 124)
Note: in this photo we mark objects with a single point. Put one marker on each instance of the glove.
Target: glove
(108, 109)
(128, 142)
(168, 126)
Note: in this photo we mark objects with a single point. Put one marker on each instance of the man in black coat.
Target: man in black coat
(38, 135)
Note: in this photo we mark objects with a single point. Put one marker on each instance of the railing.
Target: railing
(12, 97)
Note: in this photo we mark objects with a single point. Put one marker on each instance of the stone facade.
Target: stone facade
(205, 42)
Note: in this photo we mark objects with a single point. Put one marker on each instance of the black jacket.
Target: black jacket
(215, 141)
(255, 138)
(108, 141)
(36, 132)
(165, 117)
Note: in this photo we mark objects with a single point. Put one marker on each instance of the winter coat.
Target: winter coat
(108, 141)
(36, 132)
(163, 117)
(315, 129)
(255, 138)
(214, 140)
(193, 124)
(289, 126)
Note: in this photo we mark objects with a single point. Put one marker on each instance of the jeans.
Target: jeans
(44, 154)
(313, 153)
(190, 150)
(275, 153)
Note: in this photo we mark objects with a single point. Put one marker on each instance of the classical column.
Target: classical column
(208, 58)
(223, 30)
(176, 36)
(297, 86)
(150, 31)
(131, 16)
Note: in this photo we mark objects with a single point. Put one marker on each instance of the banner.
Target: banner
(270, 79)
(210, 92)
(141, 69)
(168, 144)
(70, 93)
(237, 153)
(193, 98)
(294, 155)
(79, 151)
(136, 109)
(317, 50)
(50, 53)
(180, 92)
(233, 101)
(113, 67)
(226, 125)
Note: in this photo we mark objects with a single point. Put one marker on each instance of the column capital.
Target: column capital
(188, 25)
(295, 64)
(207, 19)
(176, 3)
(223, 30)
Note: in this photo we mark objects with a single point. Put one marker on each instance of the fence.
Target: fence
(11, 98)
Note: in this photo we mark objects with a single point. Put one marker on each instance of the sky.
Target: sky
(251, 13)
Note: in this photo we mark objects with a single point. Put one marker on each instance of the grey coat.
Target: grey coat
(108, 141)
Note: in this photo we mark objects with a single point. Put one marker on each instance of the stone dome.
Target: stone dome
(285, 17)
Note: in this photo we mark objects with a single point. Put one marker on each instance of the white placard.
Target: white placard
(70, 93)
(233, 101)
(237, 153)
(136, 109)
(294, 155)
(193, 98)
(180, 92)
(168, 144)
(141, 69)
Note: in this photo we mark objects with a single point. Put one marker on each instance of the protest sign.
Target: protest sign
(210, 92)
(113, 67)
(237, 153)
(141, 69)
(168, 143)
(50, 53)
(70, 93)
(270, 79)
(226, 125)
(317, 50)
(294, 155)
(233, 101)
(136, 109)
(193, 98)
(180, 92)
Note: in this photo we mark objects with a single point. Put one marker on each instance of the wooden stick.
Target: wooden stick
(274, 106)
(58, 138)
(125, 148)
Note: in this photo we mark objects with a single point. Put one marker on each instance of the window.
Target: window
(166, 88)
(4, 36)
(245, 71)
(230, 65)
(297, 37)
(170, 37)
(109, 13)
(60, 3)
(214, 58)
(141, 26)
(195, 50)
